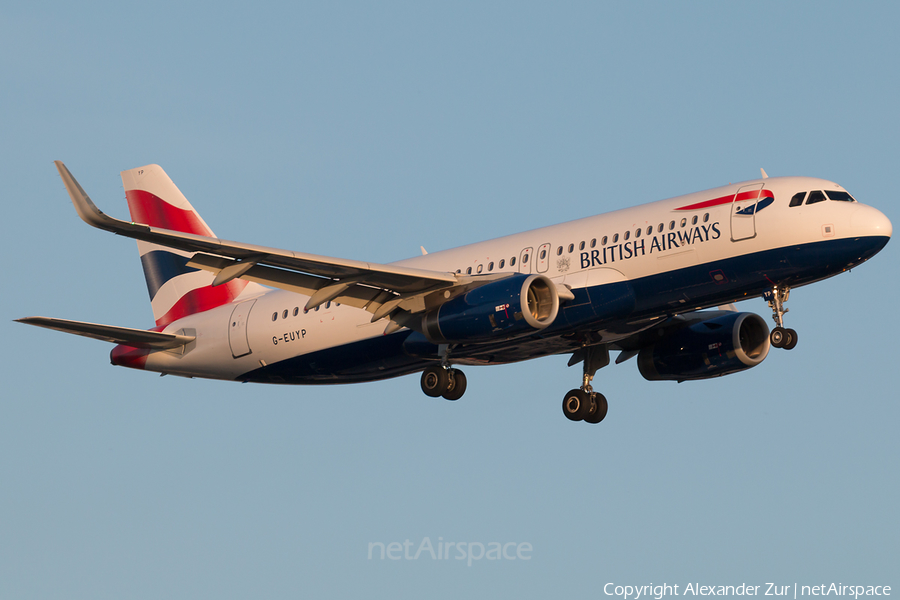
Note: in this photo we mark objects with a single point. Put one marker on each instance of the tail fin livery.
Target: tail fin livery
(175, 289)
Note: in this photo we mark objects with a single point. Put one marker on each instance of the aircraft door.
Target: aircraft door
(743, 212)
(237, 329)
(525, 261)
(543, 258)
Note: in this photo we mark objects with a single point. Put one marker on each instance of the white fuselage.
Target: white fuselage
(665, 237)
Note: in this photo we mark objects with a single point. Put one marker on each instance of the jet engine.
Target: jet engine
(507, 308)
(720, 345)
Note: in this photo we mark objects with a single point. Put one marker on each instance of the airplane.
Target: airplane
(640, 281)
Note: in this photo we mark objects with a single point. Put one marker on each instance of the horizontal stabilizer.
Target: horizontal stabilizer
(137, 338)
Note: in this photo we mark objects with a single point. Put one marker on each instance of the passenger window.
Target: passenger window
(274, 316)
(512, 261)
(660, 228)
(571, 248)
(683, 222)
(544, 253)
(627, 235)
(649, 229)
(469, 271)
(615, 238)
(797, 199)
(706, 217)
(296, 310)
(328, 305)
(480, 268)
(490, 266)
(604, 240)
(815, 196)
(525, 260)
(558, 251)
(840, 196)
(318, 307)
(502, 262)
(671, 225)
(581, 246)
(284, 314)
(594, 243)
(694, 220)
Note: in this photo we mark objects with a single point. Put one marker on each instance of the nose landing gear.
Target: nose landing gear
(780, 337)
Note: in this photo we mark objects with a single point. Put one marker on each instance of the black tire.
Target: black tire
(576, 405)
(456, 387)
(601, 407)
(791, 338)
(777, 337)
(434, 381)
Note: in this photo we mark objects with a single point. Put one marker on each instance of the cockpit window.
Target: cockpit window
(797, 200)
(840, 196)
(815, 196)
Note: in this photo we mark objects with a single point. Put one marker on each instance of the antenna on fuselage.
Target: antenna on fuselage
(764, 174)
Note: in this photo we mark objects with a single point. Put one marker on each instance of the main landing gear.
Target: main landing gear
(584, 404)
(580, 404)
(780, 336)
(438, 380)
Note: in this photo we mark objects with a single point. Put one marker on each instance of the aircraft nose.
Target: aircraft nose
(868, 221)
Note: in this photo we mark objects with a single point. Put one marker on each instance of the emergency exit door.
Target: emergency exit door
(237, 329)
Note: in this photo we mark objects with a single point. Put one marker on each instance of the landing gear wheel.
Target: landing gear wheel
(790, 339)
(778, 337)
(456, 385)
(600, 409)
(576, 405)
(783, 338)
(435, 381)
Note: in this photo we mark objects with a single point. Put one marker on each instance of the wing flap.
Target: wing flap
(356, 295)
(137, 338)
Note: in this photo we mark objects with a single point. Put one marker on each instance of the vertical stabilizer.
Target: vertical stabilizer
(175, 289)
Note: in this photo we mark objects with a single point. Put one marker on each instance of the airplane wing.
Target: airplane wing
(137, 338)
(380, 289)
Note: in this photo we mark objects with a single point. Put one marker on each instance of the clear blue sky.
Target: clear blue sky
(365, 130)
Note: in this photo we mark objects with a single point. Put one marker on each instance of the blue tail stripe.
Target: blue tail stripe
(161, 266)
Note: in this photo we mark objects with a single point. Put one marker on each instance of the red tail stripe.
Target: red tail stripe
(202, 299)
(127, 356)
(152, 210)
(752, 194)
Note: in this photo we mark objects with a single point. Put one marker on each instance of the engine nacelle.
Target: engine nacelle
(713, 347)
(507, 308)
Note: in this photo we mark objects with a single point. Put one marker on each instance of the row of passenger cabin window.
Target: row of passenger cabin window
(296, 311)
(593, 244)
(819, 196)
